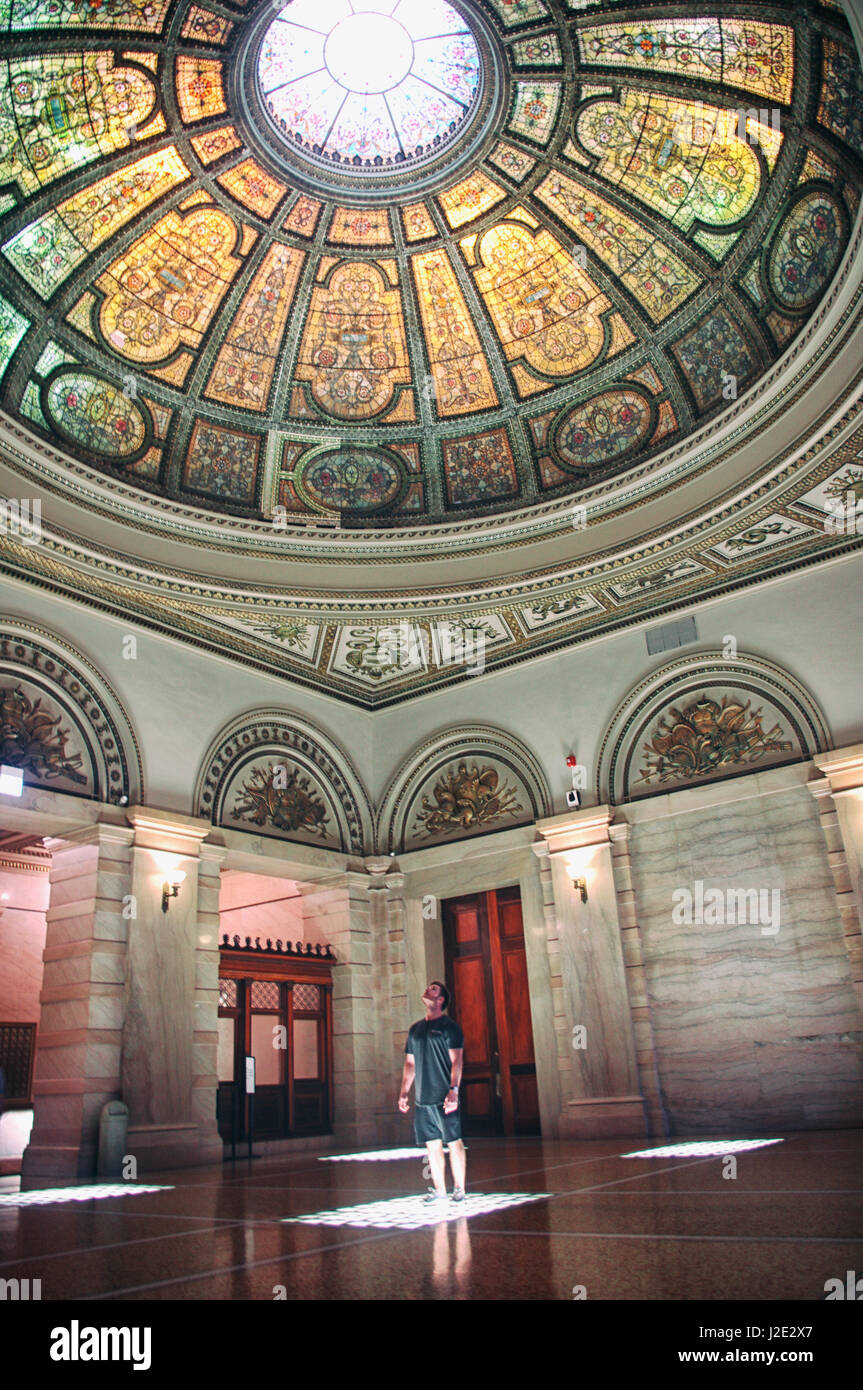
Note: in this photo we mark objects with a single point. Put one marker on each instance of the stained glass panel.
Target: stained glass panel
(460, 372)
(60, 112)
(244, 368)
(147, 15)
(418, 222)
(199, 88)
(163, 291)
(545, 308)
(215, 143)
(540, 52)
(253, 187)
(470, 199)
(354, 352)
(534, 110)
(95, 414)
(682, 158)
(13, 326)
(361, 227)
(206, 26)
(752, 54)
(48, 250)
(654, 273)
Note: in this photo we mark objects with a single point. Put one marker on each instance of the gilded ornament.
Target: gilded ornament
(706, 736)
(466, 799)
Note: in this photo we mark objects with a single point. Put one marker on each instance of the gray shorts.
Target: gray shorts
(431, 1123)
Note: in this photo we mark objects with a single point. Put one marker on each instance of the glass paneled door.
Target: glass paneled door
(283, 1024)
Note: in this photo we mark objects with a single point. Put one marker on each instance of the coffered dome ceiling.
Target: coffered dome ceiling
(405, 272)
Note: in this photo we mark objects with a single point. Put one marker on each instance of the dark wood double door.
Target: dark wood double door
(486, 970)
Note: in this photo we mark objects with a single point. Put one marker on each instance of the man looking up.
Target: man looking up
(434, 1054)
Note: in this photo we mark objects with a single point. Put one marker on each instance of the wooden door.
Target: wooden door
(486, 970)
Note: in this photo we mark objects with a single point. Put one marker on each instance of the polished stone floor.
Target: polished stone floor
(543, 1221)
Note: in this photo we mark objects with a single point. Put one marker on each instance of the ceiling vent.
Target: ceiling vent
(671, 635)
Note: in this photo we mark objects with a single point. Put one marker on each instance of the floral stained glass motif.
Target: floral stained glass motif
(244, 368)
(206, 26)
(540, 52)
(361, 480)
(462, 380)
(361, 227)
(252, 186)
(806, 250)
(163, 291)
(418, 223)
(60, 112)
(13, 326)
(470, 199)
(603, 429)
(682, 158)
(514, 12)
(377, 85)
(512, 161)
(95, 414)
(215, 143)
(654, 273)
(199, 88)
(354, 352)
(545, 308)
(840, 108)
(754, 55)
(146, 15)
(534, 110)
(48, 250)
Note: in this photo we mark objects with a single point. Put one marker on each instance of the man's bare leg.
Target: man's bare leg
(437, 1164)
(458, 1162)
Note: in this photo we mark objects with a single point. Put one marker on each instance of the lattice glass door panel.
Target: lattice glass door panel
(269, 1059)
(225, 1056)
(306, 1060)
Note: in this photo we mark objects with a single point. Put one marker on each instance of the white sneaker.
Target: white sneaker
(457, 1194)
(432, 1197)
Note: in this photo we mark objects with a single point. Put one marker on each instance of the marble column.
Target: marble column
(341, 912)
(169, 982)
(636, 980)
(601, 1094)
(78, 1055)
(839, 793)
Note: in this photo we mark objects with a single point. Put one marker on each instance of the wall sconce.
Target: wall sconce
(171, 887)
(580, 884)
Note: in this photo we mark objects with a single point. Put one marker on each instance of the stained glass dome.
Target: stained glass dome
(404, 263)
(379, 82)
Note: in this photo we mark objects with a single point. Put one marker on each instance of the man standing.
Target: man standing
(434, 1053)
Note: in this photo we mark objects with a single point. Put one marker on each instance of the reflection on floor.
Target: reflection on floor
(568, 1221)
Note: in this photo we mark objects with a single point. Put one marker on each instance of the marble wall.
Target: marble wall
(24, 898)
(756, 1024)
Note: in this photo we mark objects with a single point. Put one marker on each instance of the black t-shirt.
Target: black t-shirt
(430, 1041)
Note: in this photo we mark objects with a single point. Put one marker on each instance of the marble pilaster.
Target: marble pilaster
(341, 912)
(78, 1054)
(163, 1055)
(601, 1095)
(839, 793)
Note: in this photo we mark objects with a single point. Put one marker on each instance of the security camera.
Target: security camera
(572, 798)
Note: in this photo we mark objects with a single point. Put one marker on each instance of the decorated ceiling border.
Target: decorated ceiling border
(252, 494)
(405, 652)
